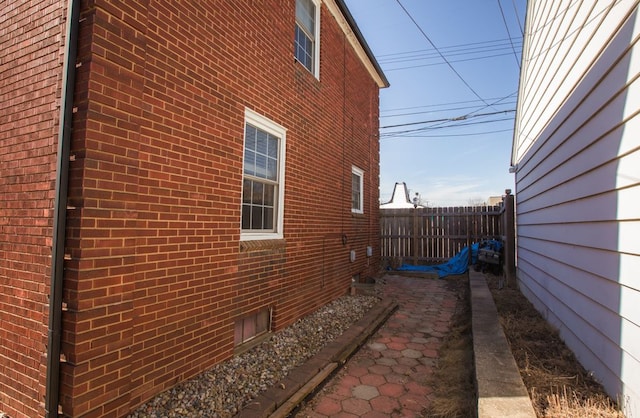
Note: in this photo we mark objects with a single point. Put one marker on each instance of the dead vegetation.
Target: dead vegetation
(558, 385)
(453, 381)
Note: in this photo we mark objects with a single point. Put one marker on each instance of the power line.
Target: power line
(494, 103)
(506, 26)
(451, 51)
(440, 53)
(515, 9)
(454, 119)
(441, 63)
(465, 46)
(437, 124)
(410, 132)
(437, 110)
(427, 56)
(437, 127)
(449, 135)
(442, 104)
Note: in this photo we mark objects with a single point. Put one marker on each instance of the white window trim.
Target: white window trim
(273, 128)
(359, 173)
(316, 50)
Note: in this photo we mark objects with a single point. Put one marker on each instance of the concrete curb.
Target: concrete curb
(501, 391)
(286, 395)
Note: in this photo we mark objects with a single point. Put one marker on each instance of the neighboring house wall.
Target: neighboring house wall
(576, 152)
(31, 53)
(158, 274)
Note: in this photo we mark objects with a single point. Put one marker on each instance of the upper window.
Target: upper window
(263, 178)
(307, 34)
(356, 190)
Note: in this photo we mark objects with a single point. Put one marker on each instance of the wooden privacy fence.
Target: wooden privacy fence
(432, 235)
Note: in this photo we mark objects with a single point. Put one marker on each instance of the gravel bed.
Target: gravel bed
(224, 389)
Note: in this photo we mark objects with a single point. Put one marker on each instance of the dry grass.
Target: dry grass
(453, 380)
(567, 405)
(558, 385)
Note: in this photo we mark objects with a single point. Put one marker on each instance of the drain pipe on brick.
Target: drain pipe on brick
(52, 389)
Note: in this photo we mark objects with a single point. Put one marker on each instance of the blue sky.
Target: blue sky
(447, 119)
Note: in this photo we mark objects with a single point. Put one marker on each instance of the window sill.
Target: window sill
(263, 244)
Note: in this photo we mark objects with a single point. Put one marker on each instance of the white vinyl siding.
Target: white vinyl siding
(569, 36)
(577, 157)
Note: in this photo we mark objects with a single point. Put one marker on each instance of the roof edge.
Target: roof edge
(351, 29)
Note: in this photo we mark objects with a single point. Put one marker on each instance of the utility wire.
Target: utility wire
(513, 2)
(454, 119)
(452, 123)
(438, 127)
(427, 56)
(440, 53)
(440, 123)
(466, 46)
(506, 26)
(449, 135)
(483, 107)
(410, 132)
(441, 104)
(449, 63)
(472, 49)
(494, 103)
(437, 110)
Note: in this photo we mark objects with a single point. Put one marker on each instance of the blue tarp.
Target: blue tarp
(458, 264)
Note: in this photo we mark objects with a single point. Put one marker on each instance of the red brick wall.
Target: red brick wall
(158, 274)
(30, 75)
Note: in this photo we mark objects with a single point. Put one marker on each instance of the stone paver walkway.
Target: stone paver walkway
(389, 376)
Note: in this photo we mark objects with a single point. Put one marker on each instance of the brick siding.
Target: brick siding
(158, 274)
(30, 75)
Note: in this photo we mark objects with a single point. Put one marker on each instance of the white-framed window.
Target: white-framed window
(307, 35)
(263, 178)
(357, 189)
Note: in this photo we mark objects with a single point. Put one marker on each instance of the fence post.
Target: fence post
(510, 237)
(469, 255)
(414, 244)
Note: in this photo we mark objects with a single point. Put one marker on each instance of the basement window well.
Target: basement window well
(252, 327)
